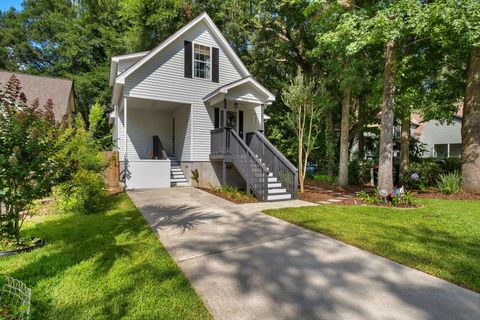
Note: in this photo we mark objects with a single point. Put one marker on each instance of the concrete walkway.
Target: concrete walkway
(247, 265)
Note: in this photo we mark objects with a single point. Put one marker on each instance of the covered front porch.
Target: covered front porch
(151, 134)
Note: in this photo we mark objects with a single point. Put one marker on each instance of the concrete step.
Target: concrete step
(179, 184)
(272, 179)
(284, 196)
(274, 185)
(277, 190)
(178, 180)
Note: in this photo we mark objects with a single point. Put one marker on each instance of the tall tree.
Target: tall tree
(303, 116)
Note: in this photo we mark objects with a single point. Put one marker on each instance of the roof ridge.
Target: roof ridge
(36, 75)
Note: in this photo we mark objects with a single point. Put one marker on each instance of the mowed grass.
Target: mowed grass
(106, 265)
(442, 238)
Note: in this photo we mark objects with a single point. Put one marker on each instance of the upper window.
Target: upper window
(201, 61)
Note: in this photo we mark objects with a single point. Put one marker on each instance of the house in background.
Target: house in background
(44, 88)
(190, 103)
(442, 140)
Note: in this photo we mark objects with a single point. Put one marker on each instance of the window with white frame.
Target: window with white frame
(201, 61)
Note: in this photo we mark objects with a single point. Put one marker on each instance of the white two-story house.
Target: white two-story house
(190, 103)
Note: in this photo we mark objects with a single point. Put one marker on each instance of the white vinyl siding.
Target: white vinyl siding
(142, 125)
(437, 133)
(162, 77)
(183, 133)
(202, 124)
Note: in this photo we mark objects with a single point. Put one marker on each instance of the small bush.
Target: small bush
(84, 193)
(406, 199)
(420, 175)
(451, 165)
(323, 178)
(195, 176)
(359, 172)
(232, 192)
(449, 183)
(372, 199)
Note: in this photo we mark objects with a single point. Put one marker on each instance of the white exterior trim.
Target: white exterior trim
(224, 90)
(203, 17)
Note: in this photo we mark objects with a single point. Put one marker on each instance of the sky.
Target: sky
(6, 4)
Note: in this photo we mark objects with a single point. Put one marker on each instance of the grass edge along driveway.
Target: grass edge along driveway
(107, 265)
(442, 238)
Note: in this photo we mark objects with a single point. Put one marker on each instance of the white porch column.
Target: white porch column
(262, 118)
(125, 126)
(448, 150)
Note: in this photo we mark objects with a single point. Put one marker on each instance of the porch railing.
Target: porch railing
(275, 161)
(226, 141)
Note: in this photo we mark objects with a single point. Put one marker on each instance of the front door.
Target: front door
(173, 136)
(234, 121)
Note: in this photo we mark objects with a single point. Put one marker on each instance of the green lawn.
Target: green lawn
(103, 266)
(442, 238)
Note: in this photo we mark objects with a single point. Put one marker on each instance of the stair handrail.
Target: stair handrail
(250, 152)
(275, 151)
(257, 181)
(291, 180)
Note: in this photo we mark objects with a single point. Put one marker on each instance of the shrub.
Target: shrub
(359, 172)
(405, 199)
(83, 193)
(82, 188)
(451, 165)
(370, 198)
(28, 136)
(323, 178)
(420, 175)
(449, 183)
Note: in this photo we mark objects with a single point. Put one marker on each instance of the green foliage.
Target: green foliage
(359, 172)
(232, 193)
(450, 165)
(372, 199)
(420, 175)
(82, 188)
(84, 192)
(407, 199)
(323, 178)
(99, 126)
(195, 176)
(449, 183)
(28, 135)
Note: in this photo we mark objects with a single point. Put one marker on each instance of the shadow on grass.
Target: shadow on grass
(103, 266)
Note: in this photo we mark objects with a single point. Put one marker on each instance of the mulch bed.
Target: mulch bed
(435, 194)
(244, 199)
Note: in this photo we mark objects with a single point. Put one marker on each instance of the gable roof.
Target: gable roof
(117, 59)
(224, 89)
(43, 88)
(203, 17)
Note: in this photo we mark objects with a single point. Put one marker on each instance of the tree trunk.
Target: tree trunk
(385, 166)
(405, 142)
(300, 161)
(344, 139)
(330, 145)
(471, 126)
(361, 146)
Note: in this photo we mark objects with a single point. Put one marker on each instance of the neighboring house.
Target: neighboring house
(44, 88)
(442, 140)
(190, 103)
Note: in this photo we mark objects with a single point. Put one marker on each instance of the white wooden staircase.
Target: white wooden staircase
(177, 176)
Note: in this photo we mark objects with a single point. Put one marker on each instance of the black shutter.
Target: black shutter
(188, 59)
(217, 118)
(240, 123)
(215, 67)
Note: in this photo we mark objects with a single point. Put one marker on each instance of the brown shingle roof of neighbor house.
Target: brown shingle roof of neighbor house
(44, 88)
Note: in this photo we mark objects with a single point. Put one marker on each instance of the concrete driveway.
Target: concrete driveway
(247, 265)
